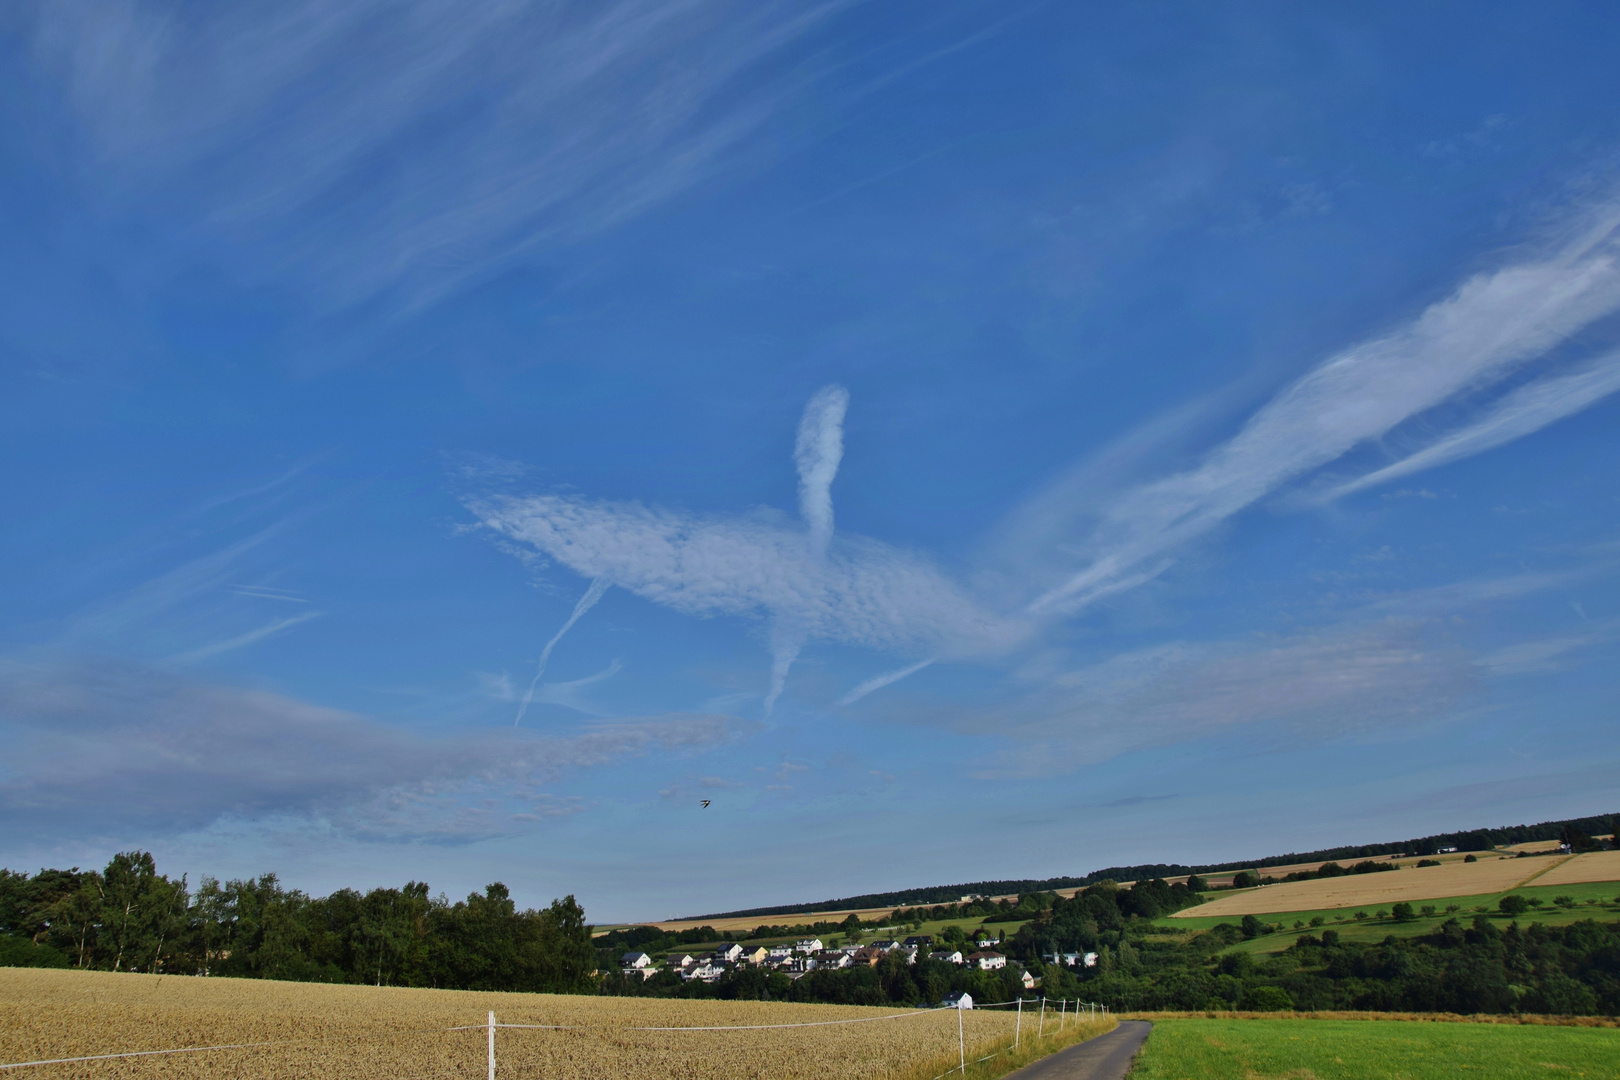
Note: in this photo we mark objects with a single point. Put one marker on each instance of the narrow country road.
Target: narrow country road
(1107, 1057)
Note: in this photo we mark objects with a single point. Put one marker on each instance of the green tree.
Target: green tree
(1513, 904)
(141, 913)
(1402, 912)
(1266, 999)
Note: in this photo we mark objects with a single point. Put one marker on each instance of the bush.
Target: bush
(1564, 901)
(1403, 912)
(1251, 926)
(1245, 879)
(1428, 910)
(1266, 999)
(1360, 915)
(1316, 920)
(22, 952)
(1513, 904)
(1428, 862)
(1470, 858)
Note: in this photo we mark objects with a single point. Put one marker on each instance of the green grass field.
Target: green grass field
(1602, 894)
(1306, 1049)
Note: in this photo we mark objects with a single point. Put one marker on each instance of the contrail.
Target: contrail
(586, 602)
(817, 452)
(878, 682)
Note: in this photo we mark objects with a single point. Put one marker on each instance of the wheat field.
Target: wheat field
(316, 1030)
(1488, 875)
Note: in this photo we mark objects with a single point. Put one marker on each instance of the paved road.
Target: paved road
(1107, 1057)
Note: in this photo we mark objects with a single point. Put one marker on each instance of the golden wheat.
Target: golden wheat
(315, 1030)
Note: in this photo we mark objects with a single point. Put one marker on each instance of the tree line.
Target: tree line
(1479, 967)
(128, 917)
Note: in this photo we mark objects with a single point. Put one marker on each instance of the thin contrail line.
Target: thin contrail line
(586, 602)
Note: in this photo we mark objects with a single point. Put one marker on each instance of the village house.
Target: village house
(635, 961)
(757, 955)
(809, 945)
(920, 941)
(1028, 980)
(948, 956)
(678, 961)
(779, 953)
(961, 999)
(707, 972)
(832, 960)
(728, 953)
(868, 956)
(886, 945)
(986, 960)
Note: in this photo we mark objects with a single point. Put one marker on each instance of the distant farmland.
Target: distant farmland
(1491, 874)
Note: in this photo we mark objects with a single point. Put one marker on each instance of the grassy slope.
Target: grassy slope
(1376, 929)
(1372, 1050)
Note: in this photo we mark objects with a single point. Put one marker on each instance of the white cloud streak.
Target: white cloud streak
(817, 453)
(1517, 414)
(412, 144)
(862, 593)
(888, 678)
(585, 603)
(243, 640)
(1492, 323)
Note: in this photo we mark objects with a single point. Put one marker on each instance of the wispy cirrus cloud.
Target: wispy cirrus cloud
(1490, 326)
(863, 592)
(97, 746)
(240, 641)
(806, 583)
(1321, 684)
(1521, 412)
(411, 145)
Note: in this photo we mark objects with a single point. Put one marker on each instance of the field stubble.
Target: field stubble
(316, 1030)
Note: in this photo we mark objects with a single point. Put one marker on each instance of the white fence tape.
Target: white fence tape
(139, 1053)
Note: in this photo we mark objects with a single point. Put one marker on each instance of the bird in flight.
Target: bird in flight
(705, 804)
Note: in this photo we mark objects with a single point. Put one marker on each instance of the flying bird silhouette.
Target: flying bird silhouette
(705, 804)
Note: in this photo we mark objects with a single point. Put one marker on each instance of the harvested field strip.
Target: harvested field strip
(1553, 864)
(316, 1030)
(1242, 1049)
(1593, 866)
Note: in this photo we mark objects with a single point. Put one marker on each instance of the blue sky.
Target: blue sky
(959, 441)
